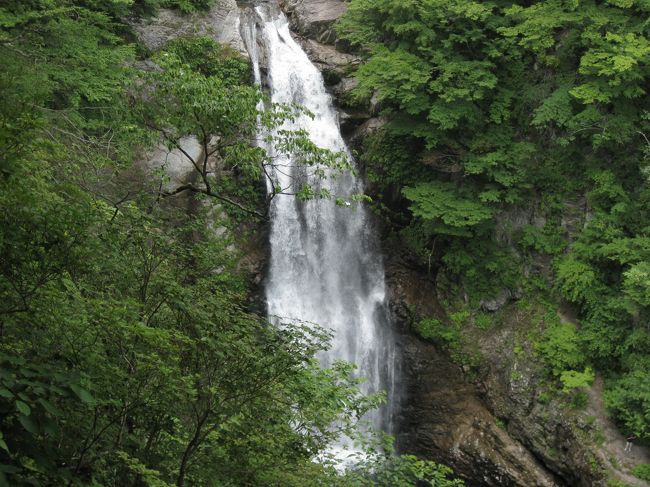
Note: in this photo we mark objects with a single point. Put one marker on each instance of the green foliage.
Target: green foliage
(450, 335)
(75, 48)
(573, 379)
(439, 203)
(487, 268)
(208, 81)
(576, 280)
(187, 6)
(547, 240)
(403, 471)
(642, 471)
(166, 351)
(628, 395)
(560, 348)
(483, 321)
(611, 68)
(617, 483)
(205, 56)
(435, 330)
(636, 284)
(535, 105)
(129, 352)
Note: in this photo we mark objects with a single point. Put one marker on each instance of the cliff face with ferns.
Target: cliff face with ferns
(481, 404)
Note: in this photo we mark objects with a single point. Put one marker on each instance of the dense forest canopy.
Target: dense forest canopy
(500, 108)
(130, 353)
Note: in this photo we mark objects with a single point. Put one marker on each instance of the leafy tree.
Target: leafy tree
(404, 471)
(439, 202)
(201, 89)
(507, 107)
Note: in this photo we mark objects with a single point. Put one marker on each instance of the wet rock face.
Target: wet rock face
(312, 21)
(174, 163)
(334, 64)
(512, 384)
(443, 416)
(314, 18)
(221, 23)
(496, 423)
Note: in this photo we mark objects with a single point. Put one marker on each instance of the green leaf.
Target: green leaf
(442, 201)
(23, 408)
(49, 427)
(29, 424)
(49, 407)
(82, 394)
(3, 444)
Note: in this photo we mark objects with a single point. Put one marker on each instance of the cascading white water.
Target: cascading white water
(324, 268)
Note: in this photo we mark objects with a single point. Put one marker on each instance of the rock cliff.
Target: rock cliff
(314, 18)
(445, 415)
(221, 23)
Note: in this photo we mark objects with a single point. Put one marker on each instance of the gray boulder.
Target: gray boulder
(221, 23)
(314, 18)
(334, 65)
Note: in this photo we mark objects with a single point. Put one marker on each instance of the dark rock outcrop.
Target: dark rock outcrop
(444, 419)
(443, 414)
(334, 64)
(512, 382)
(314, 19)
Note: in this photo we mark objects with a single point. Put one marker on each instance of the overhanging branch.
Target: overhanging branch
(194, 189)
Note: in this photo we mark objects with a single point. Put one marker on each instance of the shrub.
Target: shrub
(642, 471)
(435, 330)
(560, 346)
(572, 379)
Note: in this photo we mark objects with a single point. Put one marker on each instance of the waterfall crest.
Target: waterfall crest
(324, 267)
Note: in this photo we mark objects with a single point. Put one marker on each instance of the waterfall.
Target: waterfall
(324, 265)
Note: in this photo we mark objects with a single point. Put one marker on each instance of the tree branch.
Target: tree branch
(207, 192)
